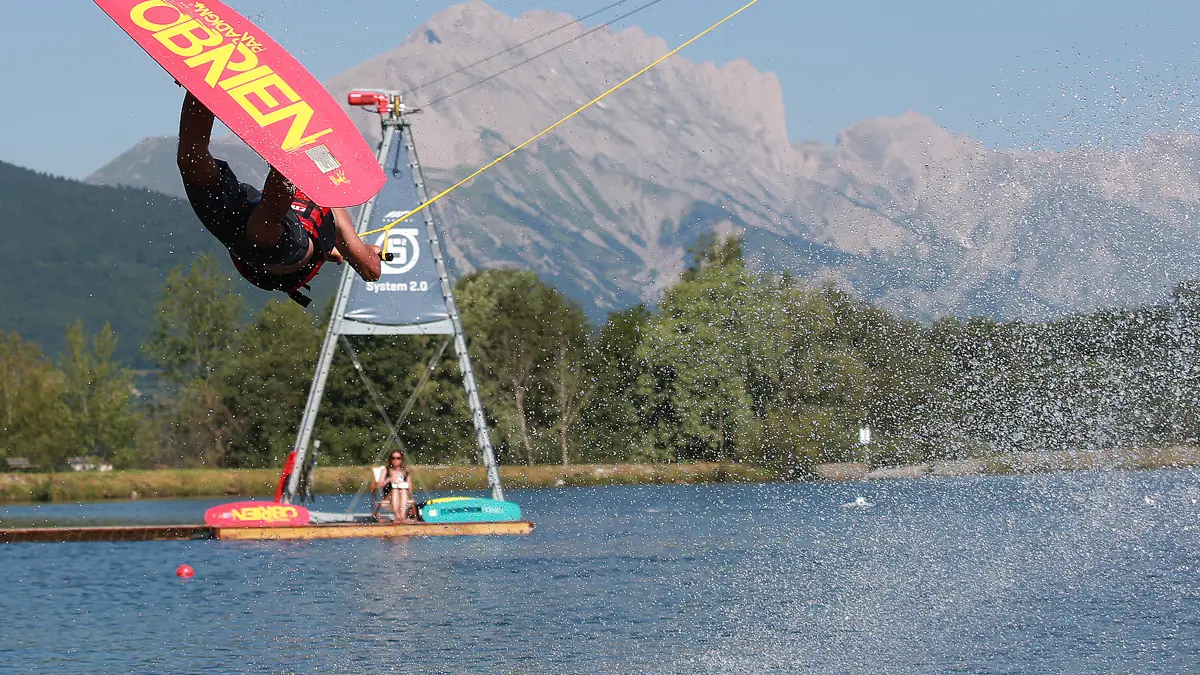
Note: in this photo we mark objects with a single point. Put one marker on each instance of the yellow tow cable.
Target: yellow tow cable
(552, 127)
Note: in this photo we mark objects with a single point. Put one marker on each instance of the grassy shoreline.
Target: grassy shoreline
(173, 483)
(167, 483)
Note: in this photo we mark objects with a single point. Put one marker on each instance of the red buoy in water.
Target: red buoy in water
(185, 572)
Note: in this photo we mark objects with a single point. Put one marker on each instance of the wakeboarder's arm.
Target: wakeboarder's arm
(196, 165)
(361, 256)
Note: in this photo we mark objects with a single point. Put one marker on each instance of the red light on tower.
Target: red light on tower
(369, 98)
(365, 98)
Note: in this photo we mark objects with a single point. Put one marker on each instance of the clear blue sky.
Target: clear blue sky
(1018, 73)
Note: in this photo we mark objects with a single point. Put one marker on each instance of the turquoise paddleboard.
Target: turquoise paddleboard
(468, 510)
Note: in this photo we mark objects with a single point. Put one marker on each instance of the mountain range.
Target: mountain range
(901, 211)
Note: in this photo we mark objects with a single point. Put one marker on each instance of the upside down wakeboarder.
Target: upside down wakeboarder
(278, 238)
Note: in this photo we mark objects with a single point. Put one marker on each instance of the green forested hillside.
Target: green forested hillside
(99, 254)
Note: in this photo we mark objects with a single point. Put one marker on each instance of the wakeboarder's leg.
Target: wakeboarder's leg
(196, 164)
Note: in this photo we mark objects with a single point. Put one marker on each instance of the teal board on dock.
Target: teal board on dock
(469, 510)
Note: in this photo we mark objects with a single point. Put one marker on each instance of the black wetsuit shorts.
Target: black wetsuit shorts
(224, 210)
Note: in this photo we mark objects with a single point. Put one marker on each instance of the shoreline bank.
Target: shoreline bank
(1024, 463)
(18, 488)
(81, 486)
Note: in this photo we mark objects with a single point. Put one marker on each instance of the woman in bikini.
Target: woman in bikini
(397, 486)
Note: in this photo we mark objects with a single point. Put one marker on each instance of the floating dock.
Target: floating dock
(356, 530)
(189, 532)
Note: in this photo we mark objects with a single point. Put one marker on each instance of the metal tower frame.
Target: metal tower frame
(395, 127)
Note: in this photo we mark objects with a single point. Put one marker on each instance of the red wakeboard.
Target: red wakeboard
(259, 91)
(256, 514)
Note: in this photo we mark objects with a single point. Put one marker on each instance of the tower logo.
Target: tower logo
(403, 244)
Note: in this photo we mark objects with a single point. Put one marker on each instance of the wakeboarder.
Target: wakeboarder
(278, 238)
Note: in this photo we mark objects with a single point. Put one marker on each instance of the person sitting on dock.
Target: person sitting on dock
(397, 486)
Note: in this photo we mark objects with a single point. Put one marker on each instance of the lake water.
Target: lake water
(1058, 573)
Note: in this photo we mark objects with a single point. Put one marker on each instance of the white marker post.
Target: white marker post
(864, 439)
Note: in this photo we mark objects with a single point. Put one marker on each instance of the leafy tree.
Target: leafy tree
(700, 353)
(196, 325)
(438, 428)
(1183, 362)
(195, 322)
(96, 393)
(192, 428)
(571, 384)
(812, 400)
(514, 321)
(32, 412)
(610, 418)
(264, 382)
(902, 377)
(1080, 382)
(711, 250)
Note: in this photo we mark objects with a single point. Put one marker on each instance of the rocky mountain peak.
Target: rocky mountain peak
(733, 101)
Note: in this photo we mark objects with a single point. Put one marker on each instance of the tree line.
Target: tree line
(730, 366)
